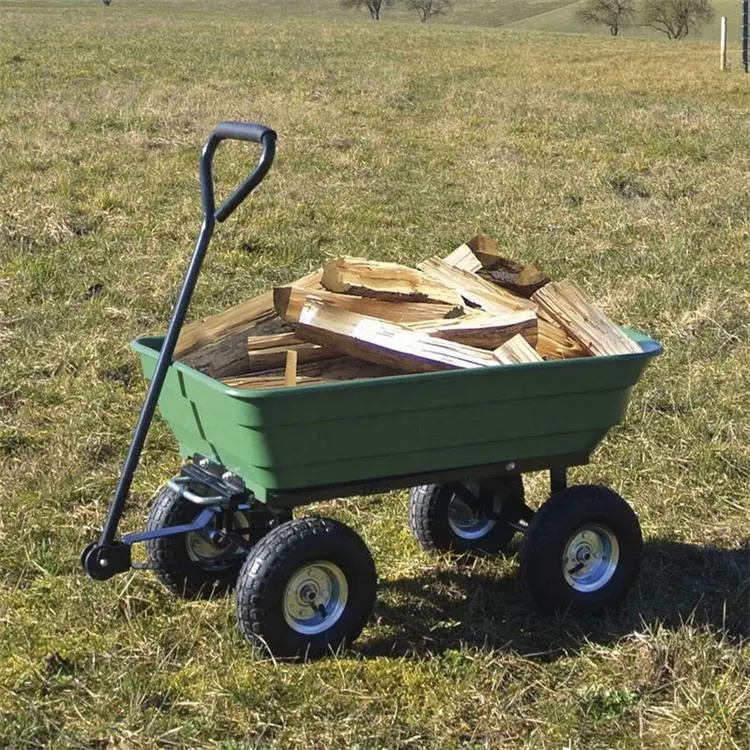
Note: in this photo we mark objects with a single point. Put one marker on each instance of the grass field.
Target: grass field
(622, 165)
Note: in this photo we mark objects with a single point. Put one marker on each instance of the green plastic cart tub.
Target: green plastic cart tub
(292, 445)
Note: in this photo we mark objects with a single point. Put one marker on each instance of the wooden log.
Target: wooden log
(475, 290)
(462, 257)
(516, 351)
(272, 341)
(554, 343)
(385, 281)
(217, 345)
(484, 331)
(290, 371)
(519, 279)
(344, 368)
(289, 301)
(385, 343)
(485, 249)
(275, 357)
(582, 320)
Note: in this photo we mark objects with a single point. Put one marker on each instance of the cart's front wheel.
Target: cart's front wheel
(191, 565)
(464, 517)
(308, 586)
(582, 551)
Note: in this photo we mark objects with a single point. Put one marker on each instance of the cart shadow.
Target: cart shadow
(448, 609)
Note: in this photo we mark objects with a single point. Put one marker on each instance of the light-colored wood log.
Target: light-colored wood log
(462, 257)
(474, 290)
(274, 357)
(217, 345)
(554, 343)
(290, 371)
(582, 320)
(289, 301)
(485, 249)
(385, 343)
(484, 331)
(387, 281)
(344, 368)
(272, 341)
(516, 351)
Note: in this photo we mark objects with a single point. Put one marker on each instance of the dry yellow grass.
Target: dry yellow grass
(622, 166)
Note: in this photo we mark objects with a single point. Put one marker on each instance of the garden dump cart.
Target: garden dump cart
(460, 439)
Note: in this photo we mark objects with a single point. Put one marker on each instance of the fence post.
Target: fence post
(723, 44)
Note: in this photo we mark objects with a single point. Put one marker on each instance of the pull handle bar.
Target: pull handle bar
(224, 131)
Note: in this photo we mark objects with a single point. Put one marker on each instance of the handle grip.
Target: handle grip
(238, 131)
(242, 131)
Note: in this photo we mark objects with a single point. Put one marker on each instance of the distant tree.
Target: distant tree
(374, 6)
(426, 9)
(676, 18)
(615, 14)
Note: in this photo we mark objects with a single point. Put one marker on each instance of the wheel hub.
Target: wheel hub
(590, 558)
(464, 521)
(315, 597)
(212, 549)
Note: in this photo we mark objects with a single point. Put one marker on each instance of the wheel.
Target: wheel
(191, 565)
(582, 551)
(307, 587)
(443, 521)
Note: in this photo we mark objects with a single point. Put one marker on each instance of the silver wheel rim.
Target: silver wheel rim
(211, 556)
(590, 558)
(463, 521)
(315, 597)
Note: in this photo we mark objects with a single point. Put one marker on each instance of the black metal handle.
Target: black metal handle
(237, 131)
(99, 555)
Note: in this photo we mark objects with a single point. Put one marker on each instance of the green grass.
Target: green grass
(623, 166)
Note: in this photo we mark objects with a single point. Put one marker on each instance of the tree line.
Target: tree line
(674, 18)
(425, 9)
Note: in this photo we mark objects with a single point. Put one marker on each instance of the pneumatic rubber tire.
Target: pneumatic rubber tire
(432, 523)
(297, 559)
(182, 573)
(582, 551)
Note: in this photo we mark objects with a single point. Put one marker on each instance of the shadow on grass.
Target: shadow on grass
(432, 613)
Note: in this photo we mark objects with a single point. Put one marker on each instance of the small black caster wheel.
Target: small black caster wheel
(305, 589)
(582, 551)
(464, 517)
(192, 565)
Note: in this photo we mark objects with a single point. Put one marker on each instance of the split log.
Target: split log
(516, 351)
(474, 290)
(274, 357)
(554, 343)
(273, 340)
(582, 320)
(385, 281)
(384, 343)
(462, 257)
(217, 345)
(484, 331)
(344, 368)
(290, 371)
(289, 301)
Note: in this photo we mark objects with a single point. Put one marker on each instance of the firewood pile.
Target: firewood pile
(358, 318)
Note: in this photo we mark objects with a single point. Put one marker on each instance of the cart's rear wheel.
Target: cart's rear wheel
(192, 565)
(464, 518)
(582, 550)
(307, 587)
